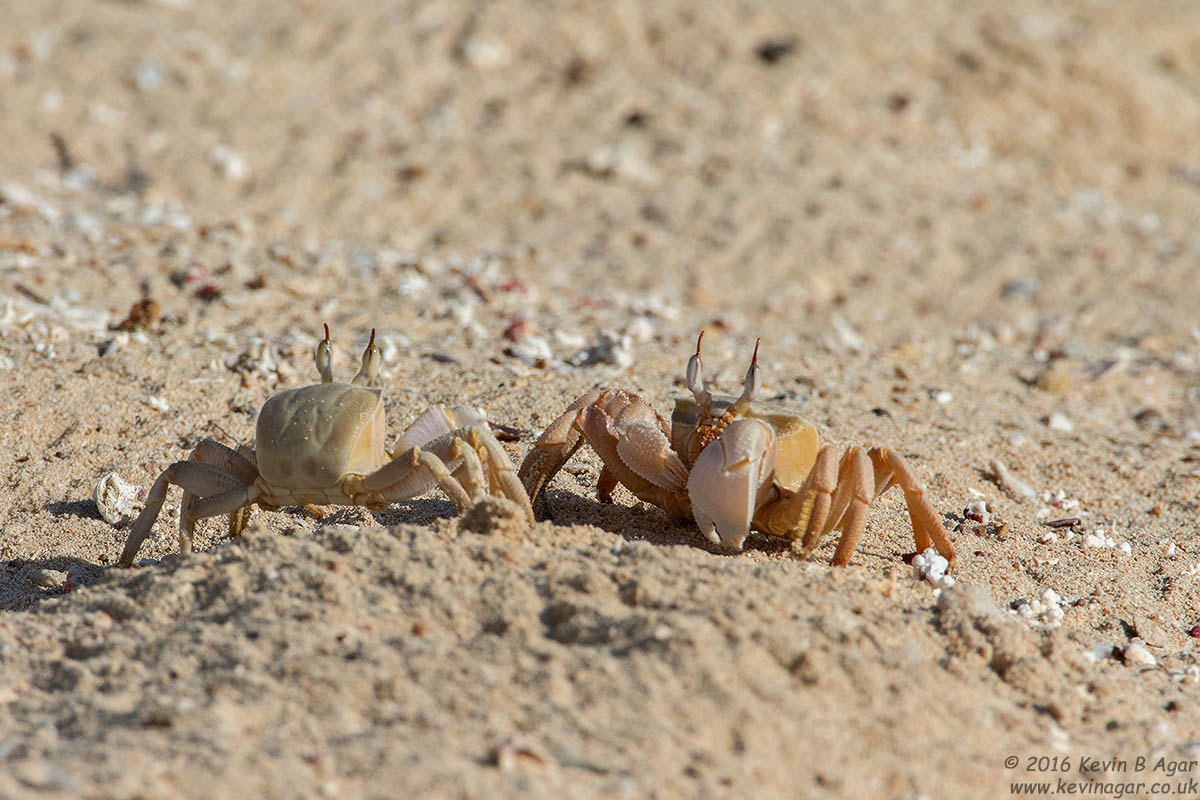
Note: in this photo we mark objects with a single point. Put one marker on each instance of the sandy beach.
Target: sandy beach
(966, 232)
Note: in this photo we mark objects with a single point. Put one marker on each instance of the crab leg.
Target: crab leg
(890, 469)
(470, 471)
(802, 515)
(410, 474)
(501, 475)
(856, 490)
(193, 476)
(551, 451)
(230, 503)
(828, 500)
(210, 451)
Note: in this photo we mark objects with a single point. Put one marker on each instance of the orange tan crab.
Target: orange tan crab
(733, 465)
(324, 444)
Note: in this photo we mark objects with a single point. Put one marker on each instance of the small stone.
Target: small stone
(45, 775)
(532, 350)
(1137, 654)
(1057, 379)
(228, 164)
(47, 578)
(157, 403)
(977, 511)
(1058, 421)
(610, 348)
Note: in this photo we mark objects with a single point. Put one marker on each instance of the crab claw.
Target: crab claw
(727, 479)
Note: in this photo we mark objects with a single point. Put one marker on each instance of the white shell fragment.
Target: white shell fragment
(1137, 654)
(522, 751)
(931, 568)
(1010, 482)
(116, 498)
(532, 350)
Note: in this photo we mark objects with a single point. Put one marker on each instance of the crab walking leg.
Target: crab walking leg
(195, 477)
(551, 451)
(408, 475)
(802, 515)
(212, 452)
(841, 495)
(606, 484)
(225, 503)
(470, 472)
(891, 468)
(501, 475)
(856, 480)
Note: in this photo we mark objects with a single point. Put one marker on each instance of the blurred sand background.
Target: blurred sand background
(966, 231)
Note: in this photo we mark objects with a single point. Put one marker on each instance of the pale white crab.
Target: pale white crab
(324, 444)
(733, 465)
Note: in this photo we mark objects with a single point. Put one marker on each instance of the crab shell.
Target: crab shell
(733, 476)
(312, 437)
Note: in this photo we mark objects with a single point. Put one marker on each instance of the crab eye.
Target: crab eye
(324, 358)
(694, 384)
(371, 360)
(753, 377)
(753, 382)
(695, 377)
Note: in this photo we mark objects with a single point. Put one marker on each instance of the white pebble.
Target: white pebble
(533, 350)
(228, 164)
(157, 403)
(1136, 653)
(1125, 548)
(1058, 421)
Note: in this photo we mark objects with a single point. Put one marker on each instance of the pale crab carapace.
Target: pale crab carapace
(325, 444)
(732, 464)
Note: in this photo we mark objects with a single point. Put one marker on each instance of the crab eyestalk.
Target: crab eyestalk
(371, 358)
(324, 357)
(751, 386)
(695, 379)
